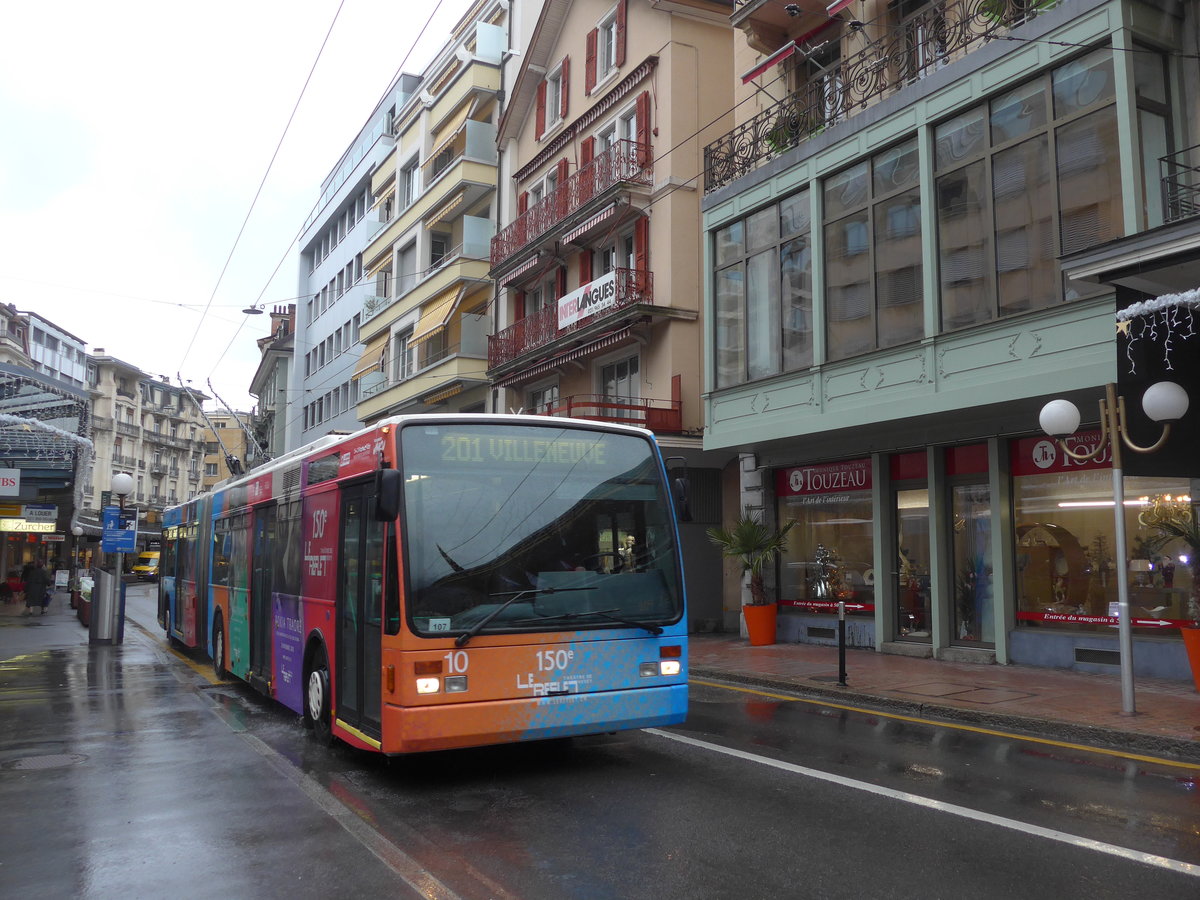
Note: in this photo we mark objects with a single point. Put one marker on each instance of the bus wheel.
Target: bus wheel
(317, 698)
(218, 648)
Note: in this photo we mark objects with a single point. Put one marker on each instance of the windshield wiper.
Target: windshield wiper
(602, 613)
(461, 640)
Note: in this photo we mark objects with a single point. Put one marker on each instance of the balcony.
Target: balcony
(1180, 185)
(910, 50)
(660, 416)
(431, 375)
(541, 329)
(625, 163)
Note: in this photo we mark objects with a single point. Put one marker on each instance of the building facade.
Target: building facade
(424, 329)
(598, 309)
(322, 393)
(270, 382)
(892, 232)
(148, 428)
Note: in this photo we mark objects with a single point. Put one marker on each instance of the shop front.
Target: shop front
(1000, 550)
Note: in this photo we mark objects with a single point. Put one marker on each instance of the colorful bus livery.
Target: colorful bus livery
(442, 581)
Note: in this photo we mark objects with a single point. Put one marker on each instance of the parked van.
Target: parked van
(146, 567)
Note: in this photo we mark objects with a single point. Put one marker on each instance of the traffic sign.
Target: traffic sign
(120, 530)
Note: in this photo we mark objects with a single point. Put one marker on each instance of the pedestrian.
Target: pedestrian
(37, 589)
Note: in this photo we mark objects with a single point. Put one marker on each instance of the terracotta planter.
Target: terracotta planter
(1191, 643)
(760, 623)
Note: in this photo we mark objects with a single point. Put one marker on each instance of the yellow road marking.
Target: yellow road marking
(203, 671)
(973, 728)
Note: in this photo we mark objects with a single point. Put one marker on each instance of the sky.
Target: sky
(134, 136)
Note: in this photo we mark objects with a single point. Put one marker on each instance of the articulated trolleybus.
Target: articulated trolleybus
(442, 581)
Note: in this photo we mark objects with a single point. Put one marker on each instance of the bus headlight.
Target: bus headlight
(428, 685)
(669, 667)
(456, 684)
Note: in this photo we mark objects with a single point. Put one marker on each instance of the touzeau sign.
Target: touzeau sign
(593, 297)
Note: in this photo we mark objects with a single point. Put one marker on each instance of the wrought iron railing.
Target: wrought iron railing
(541, 328)
(663, 416)
(912, 49)
(624, 162)
(1180, 184)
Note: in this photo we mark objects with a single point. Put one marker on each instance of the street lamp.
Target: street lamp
(1164, 402)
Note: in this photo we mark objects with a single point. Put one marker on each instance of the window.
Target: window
(620, 385)
(554, 97)
(763, 294)
(402, 357)
(1029, 176)
(210, 470)
(439, 248)
(543, 399)
(408, 269)
(409, 184)
(873, 253)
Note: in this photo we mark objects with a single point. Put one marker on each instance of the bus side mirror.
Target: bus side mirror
(387, 494)
(679, 489)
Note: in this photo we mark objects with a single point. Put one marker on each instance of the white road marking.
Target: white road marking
(1149, 859)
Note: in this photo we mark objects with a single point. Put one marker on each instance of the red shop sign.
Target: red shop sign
(827, 478)
(1078, 619)
(1044, 456)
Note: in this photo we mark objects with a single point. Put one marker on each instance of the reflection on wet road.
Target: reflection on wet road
(644, 815)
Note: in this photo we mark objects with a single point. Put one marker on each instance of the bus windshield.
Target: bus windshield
(514, 528)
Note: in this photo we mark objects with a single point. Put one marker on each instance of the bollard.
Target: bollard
(842, 643)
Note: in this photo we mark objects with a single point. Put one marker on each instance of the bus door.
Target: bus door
(261, 592)
(359, 599)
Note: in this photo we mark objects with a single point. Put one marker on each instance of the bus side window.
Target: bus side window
(391, 584)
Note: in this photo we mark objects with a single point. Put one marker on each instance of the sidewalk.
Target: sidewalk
(1053, 703)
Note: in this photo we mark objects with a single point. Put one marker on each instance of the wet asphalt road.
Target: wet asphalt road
(738, 802)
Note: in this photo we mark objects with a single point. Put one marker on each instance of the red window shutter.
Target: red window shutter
(642, 116)
(564, 86)
(522, 202)
(641, 244)
(540, 120)
(585, 267)
(621, 7)
(561, 170)
(562, 281)
(589, 61)
(519, 314)
(587, 151)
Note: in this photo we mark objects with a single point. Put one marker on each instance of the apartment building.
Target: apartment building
(147, 427)
(227, 447)
(597, 261)
(269, 385)
(918, 231)
(322, 390)
(424, 327)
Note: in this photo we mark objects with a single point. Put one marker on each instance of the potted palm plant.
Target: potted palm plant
(753, 545)
(1175, 520)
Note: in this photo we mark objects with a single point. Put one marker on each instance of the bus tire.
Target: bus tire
(218, 648)
(316, 698)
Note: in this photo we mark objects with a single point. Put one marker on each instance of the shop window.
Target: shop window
(830, 552)
(1066, 564)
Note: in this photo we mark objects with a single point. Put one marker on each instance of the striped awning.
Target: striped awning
(435, 315)
(372, 356)
(836, 7)
(450, 130)
(606, 340)
(599, 218)
(519, 270)
(773, 60)
(444, 211)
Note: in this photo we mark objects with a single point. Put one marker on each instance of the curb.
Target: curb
(1175, 749)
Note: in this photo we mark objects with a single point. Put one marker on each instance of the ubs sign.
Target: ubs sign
(10, 482)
